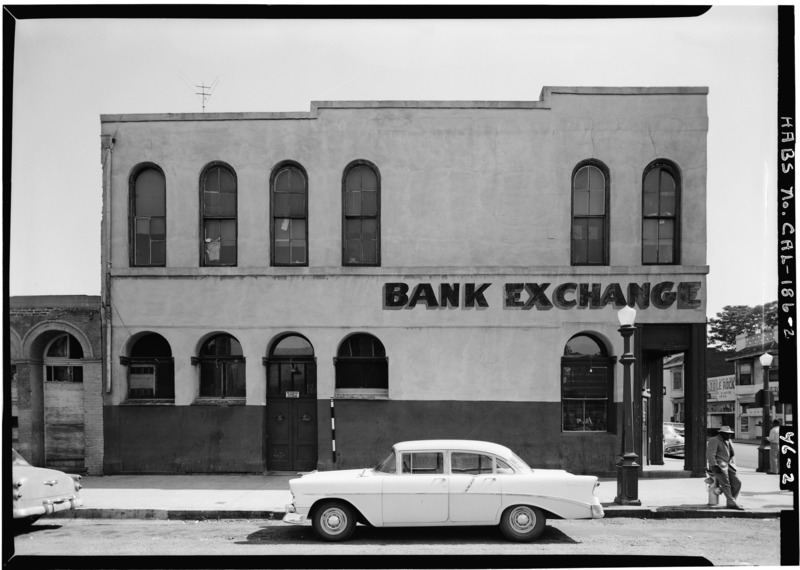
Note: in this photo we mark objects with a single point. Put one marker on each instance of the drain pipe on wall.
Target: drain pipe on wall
(108, 142)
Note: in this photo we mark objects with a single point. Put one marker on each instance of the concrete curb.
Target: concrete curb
(165, 514)
(197, 515)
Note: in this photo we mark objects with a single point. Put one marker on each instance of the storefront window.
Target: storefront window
(151, 370)
(362, 364)
(586, 384)
(222, 368)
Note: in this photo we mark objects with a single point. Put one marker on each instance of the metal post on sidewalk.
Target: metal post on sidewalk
(763, 450)
(628, 468)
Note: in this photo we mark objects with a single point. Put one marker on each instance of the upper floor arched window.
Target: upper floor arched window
(661, 192)
(218, 208)
(289, 204)
(148, 217)
(590, 226)
(361, 197)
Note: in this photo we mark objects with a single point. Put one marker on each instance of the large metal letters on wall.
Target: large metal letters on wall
(544, 296)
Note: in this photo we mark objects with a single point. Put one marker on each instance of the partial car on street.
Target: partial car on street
(442, 483)
(39, 491)
(674, 442)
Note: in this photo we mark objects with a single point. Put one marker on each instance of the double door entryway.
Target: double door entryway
(291, 410)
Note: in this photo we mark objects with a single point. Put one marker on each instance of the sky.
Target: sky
(70, 71)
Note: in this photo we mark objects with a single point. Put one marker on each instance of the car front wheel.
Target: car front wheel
(334, 521)
(522, 523)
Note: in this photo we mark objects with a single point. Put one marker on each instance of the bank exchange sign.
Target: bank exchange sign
(543, 296)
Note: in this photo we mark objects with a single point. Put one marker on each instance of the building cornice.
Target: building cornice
(316, 106)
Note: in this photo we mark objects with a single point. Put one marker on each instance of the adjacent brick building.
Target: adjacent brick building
(56, 377)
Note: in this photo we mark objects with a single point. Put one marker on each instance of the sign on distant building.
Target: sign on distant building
(721, 388)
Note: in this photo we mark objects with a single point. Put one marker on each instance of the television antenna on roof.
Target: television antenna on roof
(204, 91)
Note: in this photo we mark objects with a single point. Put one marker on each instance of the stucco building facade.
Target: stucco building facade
(411, 269)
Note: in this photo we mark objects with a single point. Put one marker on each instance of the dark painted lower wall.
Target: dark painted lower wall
(184, 439)
(209, 439)
(366, 430)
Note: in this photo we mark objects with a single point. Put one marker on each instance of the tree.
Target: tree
(734, 320)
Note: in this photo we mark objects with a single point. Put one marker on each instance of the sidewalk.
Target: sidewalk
(198, 497)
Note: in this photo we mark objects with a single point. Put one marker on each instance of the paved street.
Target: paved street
(746, 542)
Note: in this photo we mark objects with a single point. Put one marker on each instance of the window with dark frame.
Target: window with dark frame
(148, 228)
(289, 206)
(587, 382)
(291, 368)
(677, 380)
(361, 211)
(745, 371)
(219, 207)
(660, 208)
(222, 368)
(63, 359)
(590, 195)
(362, 363)
(151, 369)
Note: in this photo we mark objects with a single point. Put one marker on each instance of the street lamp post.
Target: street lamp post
(763, 450)
(627, 468)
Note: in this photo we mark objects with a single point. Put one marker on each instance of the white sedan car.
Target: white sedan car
(442, 483)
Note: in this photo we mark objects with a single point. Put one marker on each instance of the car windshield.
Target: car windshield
(17, 459)
(388, 465)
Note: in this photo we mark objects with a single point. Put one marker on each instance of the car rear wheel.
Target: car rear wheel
(522, 523)
(334, 521)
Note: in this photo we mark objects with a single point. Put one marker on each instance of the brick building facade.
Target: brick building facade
(56, 381)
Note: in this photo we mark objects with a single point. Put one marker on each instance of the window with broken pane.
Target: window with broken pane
(148, 218)
(219, 238)
(361, 208)
(289, 216)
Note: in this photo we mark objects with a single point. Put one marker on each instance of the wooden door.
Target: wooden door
(63, 426)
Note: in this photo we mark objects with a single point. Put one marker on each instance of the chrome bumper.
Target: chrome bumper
(293, 517)
(597, 511)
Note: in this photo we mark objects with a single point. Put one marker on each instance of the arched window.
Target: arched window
(151, 368)
(361, 196)
(661, 190)
(587, 382)
(590, 191)
(218, 209)
(222, 368)
(148, 215)
(361, 363)
(63, 359)
(289, 231)
(291, 367)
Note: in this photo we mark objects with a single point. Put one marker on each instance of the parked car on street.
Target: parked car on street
(442, 483)
(39, 491)
(674, 441)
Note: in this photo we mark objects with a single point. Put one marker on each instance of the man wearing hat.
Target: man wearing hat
(719, 453)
